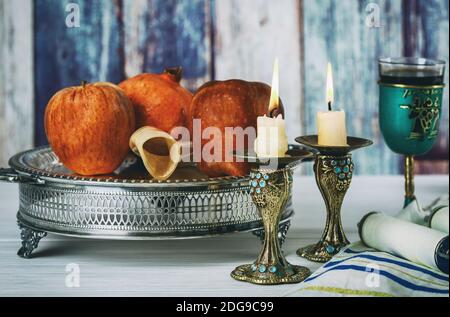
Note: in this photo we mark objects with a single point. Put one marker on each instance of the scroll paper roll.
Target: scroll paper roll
(413, 242)
(439, 219)
(159, 151)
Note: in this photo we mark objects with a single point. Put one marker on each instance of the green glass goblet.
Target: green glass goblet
(411, 91)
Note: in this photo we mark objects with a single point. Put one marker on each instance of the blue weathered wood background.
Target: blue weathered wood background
(221, 39)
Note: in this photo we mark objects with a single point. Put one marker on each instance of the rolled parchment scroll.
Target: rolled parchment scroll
(439, 219)
(159, 151)
(413, 242)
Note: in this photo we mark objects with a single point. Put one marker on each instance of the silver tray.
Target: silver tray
(128, 204)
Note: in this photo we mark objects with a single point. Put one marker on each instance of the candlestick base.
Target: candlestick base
(322, 252)
(283, 275)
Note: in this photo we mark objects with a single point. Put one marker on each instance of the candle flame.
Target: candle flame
(274, 95)
(330, 90)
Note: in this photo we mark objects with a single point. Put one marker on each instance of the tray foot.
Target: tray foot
(282, 232)
(30, 240)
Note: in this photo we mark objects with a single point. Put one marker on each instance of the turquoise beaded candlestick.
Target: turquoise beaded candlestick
(270, 185)
(333, 168)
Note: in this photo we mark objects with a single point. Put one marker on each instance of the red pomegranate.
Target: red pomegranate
(89, 127)
(159, 100)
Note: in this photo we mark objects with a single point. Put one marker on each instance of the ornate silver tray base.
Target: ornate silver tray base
(128, 204)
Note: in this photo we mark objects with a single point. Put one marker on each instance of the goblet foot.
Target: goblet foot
(321, 252)
(270, 275)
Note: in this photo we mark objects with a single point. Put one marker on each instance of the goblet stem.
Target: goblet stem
(409, 180)
(270, 192)
(333, 177)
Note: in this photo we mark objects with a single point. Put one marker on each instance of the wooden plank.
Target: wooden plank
(65, 56)
(249, 35)
(425, 31)
(16, 78)
(161, 34)
(337, 32)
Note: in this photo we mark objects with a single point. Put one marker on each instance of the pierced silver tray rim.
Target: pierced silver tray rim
(55, 202)
(17, 163)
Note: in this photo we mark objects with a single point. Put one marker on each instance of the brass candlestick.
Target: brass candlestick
(270, 184)
(333, 168)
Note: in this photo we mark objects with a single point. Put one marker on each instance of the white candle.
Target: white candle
(331, 129)
(271, 138)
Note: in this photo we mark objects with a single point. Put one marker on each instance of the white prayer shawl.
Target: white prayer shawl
(360, 271)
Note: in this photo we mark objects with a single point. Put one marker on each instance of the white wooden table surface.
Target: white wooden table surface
(198, 267)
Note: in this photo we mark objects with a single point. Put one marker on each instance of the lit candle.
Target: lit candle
(271, 138)
(331, 124)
